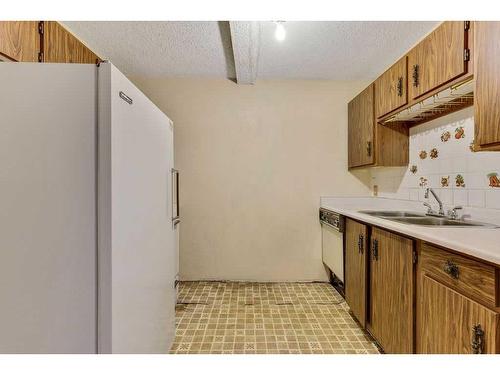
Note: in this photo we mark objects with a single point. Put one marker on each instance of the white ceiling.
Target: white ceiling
(337, 50)
(161, 49)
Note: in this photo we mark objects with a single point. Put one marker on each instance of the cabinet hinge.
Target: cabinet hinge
(466, 25)
(415, 257)
(40, 56)
(40, 27)
(466, 54)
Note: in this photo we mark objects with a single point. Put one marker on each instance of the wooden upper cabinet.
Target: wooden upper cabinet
(487, 90)
(60, 46)
(356, 268)
(438, 59)
(391, 88)
(450, 323)
(391, 291)
(361, 123)
(19, 40)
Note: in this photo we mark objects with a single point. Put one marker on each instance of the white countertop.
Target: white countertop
(482, 243)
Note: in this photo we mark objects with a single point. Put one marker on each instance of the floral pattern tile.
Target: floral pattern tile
(445, 181)
(445, 136)
(494, 180)
(459, 181)
(459, 132)
(442, 156)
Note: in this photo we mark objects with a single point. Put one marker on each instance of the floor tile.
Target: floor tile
(265, 318)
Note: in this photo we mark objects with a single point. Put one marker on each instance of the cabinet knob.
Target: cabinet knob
(451, 269)
(369, 148)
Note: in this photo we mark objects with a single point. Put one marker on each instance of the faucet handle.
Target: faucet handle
(453, 212)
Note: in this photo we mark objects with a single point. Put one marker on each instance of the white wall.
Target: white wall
(254, 161)
(47, 208)
(454, 158)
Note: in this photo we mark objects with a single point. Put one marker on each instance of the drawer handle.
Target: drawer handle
(415, 75)
(375, 249)
(451, 269)
(399, 86)
(477, 339)
(360, 243)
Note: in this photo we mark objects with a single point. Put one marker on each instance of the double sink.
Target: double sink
(408, 217)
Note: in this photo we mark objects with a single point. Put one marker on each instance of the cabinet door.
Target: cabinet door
(355, 272)
(19, 40)
(437, 59)
(361, 122)
(391, 291)
(60, 46)
(447, 319)
(391, 88)
(487, 90)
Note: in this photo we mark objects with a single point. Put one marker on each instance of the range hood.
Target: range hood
(451, 99)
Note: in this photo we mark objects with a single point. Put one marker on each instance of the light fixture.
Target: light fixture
(280, 32)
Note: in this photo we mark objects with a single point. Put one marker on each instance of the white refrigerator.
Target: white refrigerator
(88, 213)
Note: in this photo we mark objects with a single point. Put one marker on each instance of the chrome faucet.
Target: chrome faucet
(430, 211)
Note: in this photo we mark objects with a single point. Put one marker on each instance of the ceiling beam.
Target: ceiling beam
(245, 39)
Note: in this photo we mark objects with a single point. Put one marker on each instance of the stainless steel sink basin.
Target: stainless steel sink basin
(415, 218)
(391, 214)
(440, 222)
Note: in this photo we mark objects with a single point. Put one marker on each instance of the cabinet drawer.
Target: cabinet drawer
(473, 278)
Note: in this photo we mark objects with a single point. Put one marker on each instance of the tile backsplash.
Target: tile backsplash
(441, 158)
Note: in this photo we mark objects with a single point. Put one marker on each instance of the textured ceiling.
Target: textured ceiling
(335, 50)
(161, 49)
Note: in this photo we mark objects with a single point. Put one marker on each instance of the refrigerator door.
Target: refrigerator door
(136, 249)
(48, 209)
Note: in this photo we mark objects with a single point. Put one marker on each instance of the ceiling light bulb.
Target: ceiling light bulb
(280, 32)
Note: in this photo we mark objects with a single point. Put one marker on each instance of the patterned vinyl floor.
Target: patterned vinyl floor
(265, 318)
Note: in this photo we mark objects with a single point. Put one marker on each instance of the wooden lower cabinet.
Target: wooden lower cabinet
(391, 318)
(415, 297)
(450, 323)
(356, 238)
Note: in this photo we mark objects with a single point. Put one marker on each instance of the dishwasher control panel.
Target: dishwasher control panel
(332, 219)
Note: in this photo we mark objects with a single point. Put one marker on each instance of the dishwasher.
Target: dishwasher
(332, 242)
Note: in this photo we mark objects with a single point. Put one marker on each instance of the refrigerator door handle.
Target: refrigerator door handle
(175, 198)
